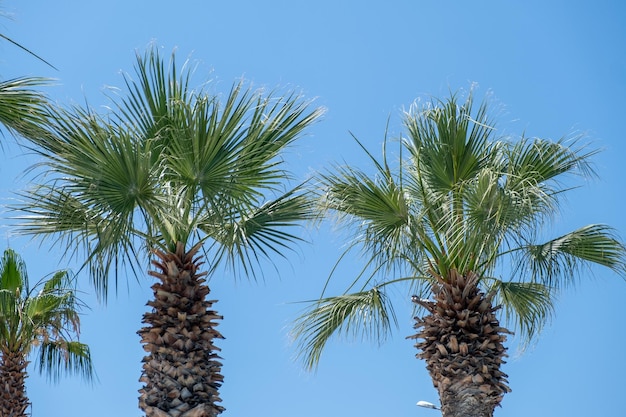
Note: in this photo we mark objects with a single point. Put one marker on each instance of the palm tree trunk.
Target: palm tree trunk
(13, 400)
(462, 344)
(181, 372)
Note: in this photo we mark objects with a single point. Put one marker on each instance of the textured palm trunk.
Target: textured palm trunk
(12, 388)
(462, 344)
(181, 371)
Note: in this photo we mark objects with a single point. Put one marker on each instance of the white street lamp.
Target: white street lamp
(426, 404)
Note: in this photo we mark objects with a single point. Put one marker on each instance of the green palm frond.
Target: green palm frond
(154, 100)
(527, 305)
(274, 123)
(100, 163)
(13, 275)
(65, 357)
(536, 161)
(365, 313)
(39, 308)
(557, 262)
(9, 317)
(104, 239)
(353, 193)
(449, 140)
(24, 109)
(203, 151)
(262, 232)
(533, 179)
(375, 207)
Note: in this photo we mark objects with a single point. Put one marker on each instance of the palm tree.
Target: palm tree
(44, 317)
(460, 221)
(186, 178)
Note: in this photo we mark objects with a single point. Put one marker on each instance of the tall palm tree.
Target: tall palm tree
(182, 177)
(461, 222)
(44, 318)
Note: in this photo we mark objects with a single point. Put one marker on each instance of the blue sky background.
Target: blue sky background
(556, 68)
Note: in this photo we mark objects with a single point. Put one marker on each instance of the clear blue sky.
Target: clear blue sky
(557, 67)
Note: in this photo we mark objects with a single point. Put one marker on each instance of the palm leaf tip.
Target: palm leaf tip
(23, 48)
(66, 357)
(366, 313)
(565, 255)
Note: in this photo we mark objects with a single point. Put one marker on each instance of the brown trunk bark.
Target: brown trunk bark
(182, 369)
(13, 399)
(465, 403)
(462, 344)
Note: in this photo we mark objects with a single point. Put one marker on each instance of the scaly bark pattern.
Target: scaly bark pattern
(12, 385)
(462, 344)
(181, 371)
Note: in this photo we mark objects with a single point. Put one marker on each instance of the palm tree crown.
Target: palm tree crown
(169, 165)
(460, 220)
(45, 317)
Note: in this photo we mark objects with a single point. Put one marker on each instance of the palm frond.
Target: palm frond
(103, 240)
(59, 281)
(366, 313)
(533, 176)
(24, 109)
(13, 275)
(202, 149)
(557, 261)
(57, 358)
(155, 99)
(450, 141)
(9, 318)
(373, 207)
(538, 161)
(527, 305)
(354, 193)
(260, 233)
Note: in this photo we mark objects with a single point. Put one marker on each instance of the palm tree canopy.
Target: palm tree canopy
(466, 200)
(170, 164)
(45, 316)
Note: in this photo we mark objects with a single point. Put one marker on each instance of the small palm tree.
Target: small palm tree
(44, 318)
(461, 222)
(187, 179)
